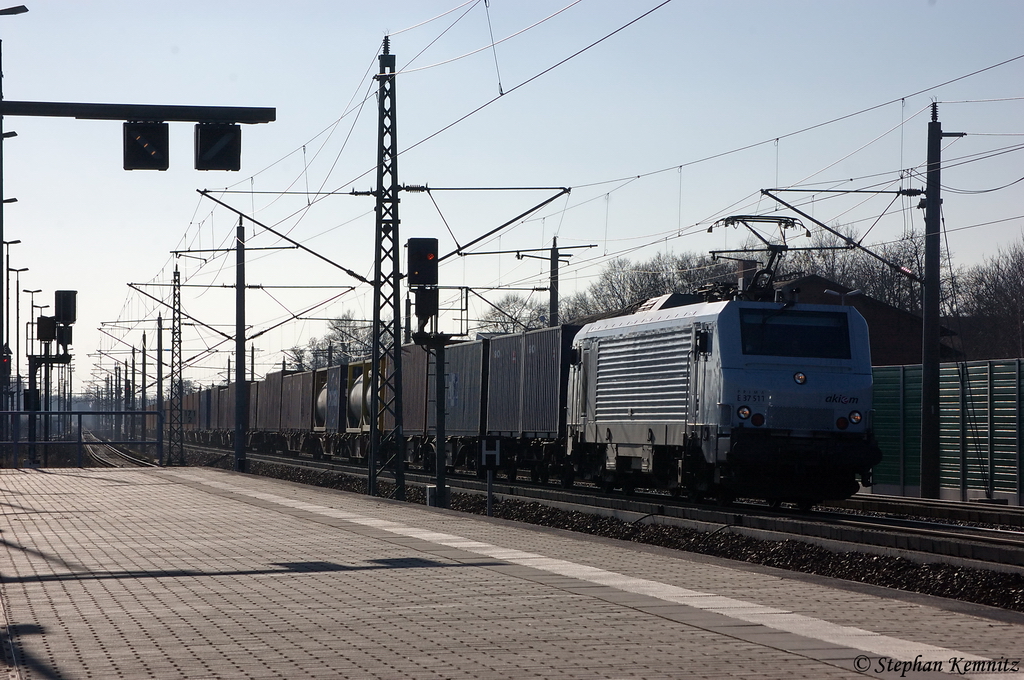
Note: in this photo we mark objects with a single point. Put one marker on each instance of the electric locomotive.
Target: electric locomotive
(731, 398)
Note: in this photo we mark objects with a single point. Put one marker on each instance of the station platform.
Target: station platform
(201, 573)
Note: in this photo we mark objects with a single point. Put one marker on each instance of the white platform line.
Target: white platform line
(777, 619)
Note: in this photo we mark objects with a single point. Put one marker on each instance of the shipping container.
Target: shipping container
(254, 401)
(527, 378)
(269, 406)
(334, 418)
(504, 385)
(465, 389)
(222, 409)
(415, 363)
(546, 355)
(226, 406)
(204, 410)
(297, 402)
(189, 411)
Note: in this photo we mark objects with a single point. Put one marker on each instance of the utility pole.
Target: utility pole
(118, 403)
(131, 400)
(931, 329)
(145, 409)
(160, 387)
(175, 429)
(386, 390)
(241, 386)
(553, 284)
(557, 259)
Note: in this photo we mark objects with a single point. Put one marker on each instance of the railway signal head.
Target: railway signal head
(426, 304)
(422, 262)
(145, 146)
(218, 146)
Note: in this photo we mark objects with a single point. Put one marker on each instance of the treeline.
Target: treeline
(346, 338)
(623, 283)
(982, 304)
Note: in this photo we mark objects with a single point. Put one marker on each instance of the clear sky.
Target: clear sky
(674, 121)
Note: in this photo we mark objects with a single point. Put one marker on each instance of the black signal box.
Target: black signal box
(426, 302)
(422, 262)
(145, 146)
(218, 146)
(65, 336)
(65, 306)
(46, 329)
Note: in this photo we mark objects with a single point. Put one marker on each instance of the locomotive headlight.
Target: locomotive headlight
(800, 378)
(757, 420)
(855, 417)
(743, 412)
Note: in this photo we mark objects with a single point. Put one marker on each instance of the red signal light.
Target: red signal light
(422, 262)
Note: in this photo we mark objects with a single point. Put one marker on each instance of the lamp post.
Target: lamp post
(7, 283)
(5, 347)
(15, 404)
(5, 385)
(32, 300)
(35, 331)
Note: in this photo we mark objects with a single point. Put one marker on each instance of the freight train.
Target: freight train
(723, 399)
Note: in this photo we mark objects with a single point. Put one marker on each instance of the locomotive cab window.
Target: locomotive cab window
(785, 333)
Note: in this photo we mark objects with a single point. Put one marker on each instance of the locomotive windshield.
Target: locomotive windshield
(785, 333)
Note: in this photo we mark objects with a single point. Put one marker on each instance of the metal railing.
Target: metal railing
(23, 428)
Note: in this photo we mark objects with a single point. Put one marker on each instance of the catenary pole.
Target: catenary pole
(241, 386)
(931, 329)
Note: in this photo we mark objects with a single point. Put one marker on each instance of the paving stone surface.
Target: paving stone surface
(197, 573)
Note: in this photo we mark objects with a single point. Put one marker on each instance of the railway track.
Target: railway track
(920, 539)
(105, 455)
(973, 512)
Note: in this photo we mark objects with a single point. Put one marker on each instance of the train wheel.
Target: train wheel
(429, 458)
(568, 479)
(805, 506)
(774, 503)
(534, 473)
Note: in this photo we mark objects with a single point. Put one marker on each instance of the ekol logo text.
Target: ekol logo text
(840, 399)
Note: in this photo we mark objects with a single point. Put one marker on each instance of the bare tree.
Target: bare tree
(991, 297)
(514, 313)
(295, 358)
(346, 339)
(577, 305)
(854, 268)
(832, 257)
(624, 283)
